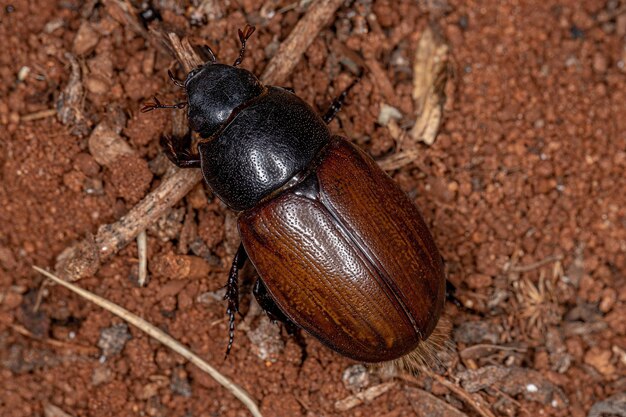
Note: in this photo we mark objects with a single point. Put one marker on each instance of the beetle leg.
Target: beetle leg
(177, 150)
(270, 307)
(232, 293)
(156, 104)
(335, 106)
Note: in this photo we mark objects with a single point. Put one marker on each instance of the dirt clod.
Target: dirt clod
(130, 176)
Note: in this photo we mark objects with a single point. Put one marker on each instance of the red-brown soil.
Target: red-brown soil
(523, 190)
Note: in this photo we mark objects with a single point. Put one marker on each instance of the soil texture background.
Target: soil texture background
(523, 190)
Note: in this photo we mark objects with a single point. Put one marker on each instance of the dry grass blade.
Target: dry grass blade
(38, 115)
(142, 254)
(430, 70)
(162, 337)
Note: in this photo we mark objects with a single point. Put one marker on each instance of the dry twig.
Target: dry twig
(364, 396)
(162, 337)
(472, 400)
(142, 254)
(292, 48)
(87, 350)
(42, 114)
(70, 105)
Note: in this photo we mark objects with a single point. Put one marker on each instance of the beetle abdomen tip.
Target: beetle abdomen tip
(431, 353)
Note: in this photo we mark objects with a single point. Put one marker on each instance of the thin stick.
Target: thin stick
(475, 402)
(142, 254)
(292, 48)
(42, 114)
(88, 350)
(472, 401)
(535, 265)
(162, 337)
(84, 258)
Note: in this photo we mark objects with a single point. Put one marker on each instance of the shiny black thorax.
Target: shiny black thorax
(254, 146)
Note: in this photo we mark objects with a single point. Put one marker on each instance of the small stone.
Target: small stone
(197, 197)
(86, 39)
(11, 300)
(600, 359)
(600, 63)
(476, 281)
(86, 164)
(105, 145)
(97, 85)
(179, 383)
(74, 180)
(607, 300)
(620, 25)
(178, 267)
(267, 344)
(355, 378)
(100, 375)
(168, 226)
(113, 339)
(148, 390)
(7, 259)
(388, 113)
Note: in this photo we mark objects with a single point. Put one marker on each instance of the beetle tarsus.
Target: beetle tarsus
(337, 103)
(232, 294)
(178, 152)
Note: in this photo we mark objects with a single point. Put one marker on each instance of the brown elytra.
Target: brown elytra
(352, 262)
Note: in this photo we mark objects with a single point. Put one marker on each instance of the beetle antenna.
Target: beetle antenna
(175, 80)
(148, 107)
(243, 37)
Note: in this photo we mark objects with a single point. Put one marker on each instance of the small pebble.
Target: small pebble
(355, 378)
(113, 339)
(86, 39)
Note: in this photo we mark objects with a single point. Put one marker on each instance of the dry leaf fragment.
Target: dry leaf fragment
(429, 80)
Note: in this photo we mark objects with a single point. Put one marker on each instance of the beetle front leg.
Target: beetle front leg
(232, 293)
(178, 151)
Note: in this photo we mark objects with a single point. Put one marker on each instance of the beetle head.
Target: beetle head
(214, 91)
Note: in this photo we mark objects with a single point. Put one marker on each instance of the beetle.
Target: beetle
(340, 250)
